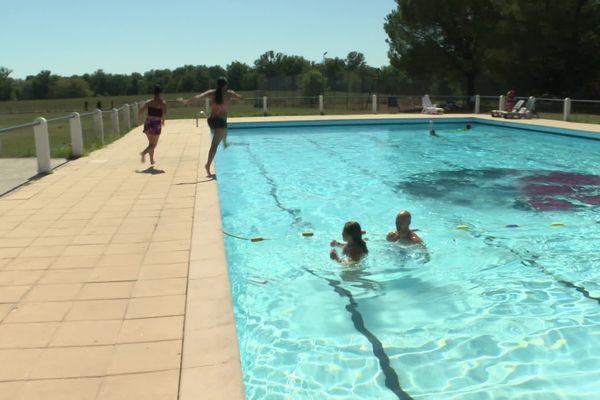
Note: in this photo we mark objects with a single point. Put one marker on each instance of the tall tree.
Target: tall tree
(6, 84)
(442, 39)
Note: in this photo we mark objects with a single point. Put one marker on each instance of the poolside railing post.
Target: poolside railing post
(477, 103)
(374, 103)
(567, 109)
(127, 117)
(76, 135)
(207, 106)
(501, 103)
(136, 117)
(99, 125)
(321, 108)
(114, 116)
(265, 105)
(42, 146)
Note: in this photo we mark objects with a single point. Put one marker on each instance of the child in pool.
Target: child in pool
(403, 234)
(355, 247)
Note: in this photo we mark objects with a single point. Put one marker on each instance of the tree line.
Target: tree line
(453, 47)
(272, 71)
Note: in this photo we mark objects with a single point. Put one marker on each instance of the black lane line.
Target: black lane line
(391, 377)
(531, 261)
(294, 212)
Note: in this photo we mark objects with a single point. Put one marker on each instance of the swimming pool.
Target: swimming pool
(498, 312)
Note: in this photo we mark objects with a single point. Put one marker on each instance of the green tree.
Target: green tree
(443, 39)
(40, 85)
(312, 83)
(67, 88)
(235, 74)
(6, 84)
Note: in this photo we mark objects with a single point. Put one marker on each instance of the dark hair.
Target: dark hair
(353, 229)
(157, 90)
(221, 82)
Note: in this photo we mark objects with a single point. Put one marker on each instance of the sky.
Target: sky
(71, 37)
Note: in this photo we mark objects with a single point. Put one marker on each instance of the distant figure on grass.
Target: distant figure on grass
(157, 109)
(355, 247)
(217, 121)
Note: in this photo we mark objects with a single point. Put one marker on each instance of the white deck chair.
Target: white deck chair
(429, 107)
(527, 111)
(502, 113)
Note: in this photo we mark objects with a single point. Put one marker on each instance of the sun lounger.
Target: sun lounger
(527, 111)
(429, 107)
(502, 113)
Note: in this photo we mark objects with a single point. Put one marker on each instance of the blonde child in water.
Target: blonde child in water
(355, 247)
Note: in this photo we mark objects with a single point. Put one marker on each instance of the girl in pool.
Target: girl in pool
(355, 247)
(157, 109)
(217, 121)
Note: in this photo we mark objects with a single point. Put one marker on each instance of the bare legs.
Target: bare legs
(214, 145)
(152, 142)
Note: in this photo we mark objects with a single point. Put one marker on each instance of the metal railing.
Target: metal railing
(42, 138)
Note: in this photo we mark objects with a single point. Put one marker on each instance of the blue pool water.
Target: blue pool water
(497, 313)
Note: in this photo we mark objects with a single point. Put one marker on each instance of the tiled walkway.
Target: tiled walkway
(113, 279)
(94, 275)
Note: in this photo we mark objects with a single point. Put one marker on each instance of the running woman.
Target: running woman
(155, 119)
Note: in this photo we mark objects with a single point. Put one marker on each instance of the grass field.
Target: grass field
(20, 143)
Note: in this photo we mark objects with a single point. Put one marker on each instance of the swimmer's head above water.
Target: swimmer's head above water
(403, 220)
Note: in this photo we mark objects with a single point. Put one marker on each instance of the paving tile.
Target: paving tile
(207, 382)
(68, 262)
(151, 329)
(10, 252)
(38, 312)
(92, 239)
(53, 241)
(146, 357)
(166, 257)
(97, 310)
(15, 242)
(161, 271)
(162, 306)
(170, 245)
(61, 389)
(12, 294)
(75, 275)
(106, 290)
(42, 251)
(120, 260)
(84, 250)
(148, 386)
(126, 248)
(5, 309)
(27, 335)
(210, 346)
(70, 362)
(58, 292)
(21, 362)
(27, 263)
(160, 287)
(114, 274)
(87, 333)
(14, 278)
(11, 390)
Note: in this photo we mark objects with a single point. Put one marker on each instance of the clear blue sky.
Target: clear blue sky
(122, 36)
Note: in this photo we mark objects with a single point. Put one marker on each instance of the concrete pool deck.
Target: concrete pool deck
(113, 275)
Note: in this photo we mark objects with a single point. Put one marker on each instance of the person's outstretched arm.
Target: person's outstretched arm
(199, 96)
(231, 92)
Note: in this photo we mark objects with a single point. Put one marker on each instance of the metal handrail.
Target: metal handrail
(14, 128)
(63, 118)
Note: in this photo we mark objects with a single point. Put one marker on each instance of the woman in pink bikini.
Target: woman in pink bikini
(157, 109)
(217, 121)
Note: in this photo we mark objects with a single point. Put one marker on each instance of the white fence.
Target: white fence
(121, 115)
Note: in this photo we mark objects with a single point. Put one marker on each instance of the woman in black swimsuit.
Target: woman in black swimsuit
(155, 119)
(217, 121)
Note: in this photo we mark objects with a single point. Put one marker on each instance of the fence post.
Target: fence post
(136, 117)
(265, 105)
(99, 125)
(76, 135)
(127, 117)
(477, 103)
(114, 116)
(42, 146)
(567, 109)
(321, 108)
(374, 103)
(207, 107)
(501, 103)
